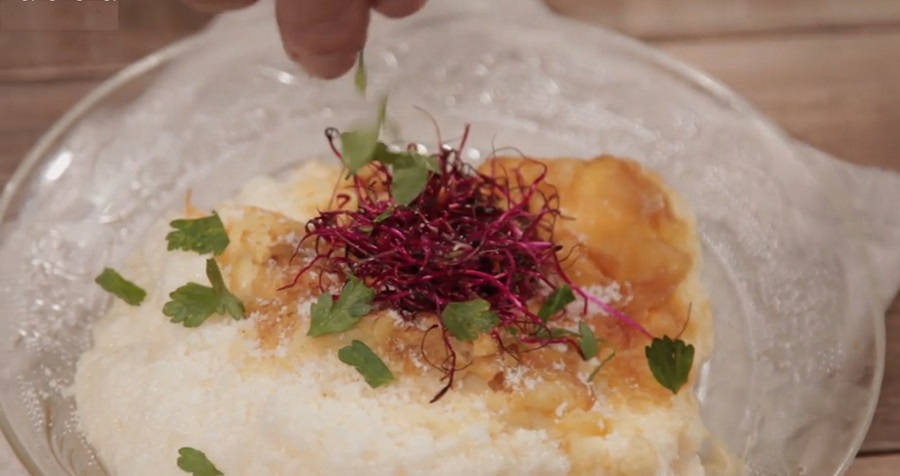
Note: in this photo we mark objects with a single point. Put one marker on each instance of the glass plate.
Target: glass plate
(792, 384)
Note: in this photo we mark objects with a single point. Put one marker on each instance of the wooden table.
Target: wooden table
(827, 70)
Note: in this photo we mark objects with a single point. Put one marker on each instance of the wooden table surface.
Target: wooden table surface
(827, 70)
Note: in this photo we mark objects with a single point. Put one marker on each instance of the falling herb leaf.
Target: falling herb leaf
(557, 301)
(602, 364)
(328, 316)
(670, 361)
(193, 303)
(367, 363)
(360, 78)
(465, 320)
(409, 182)
(358, 147)
(195, 462)
(202, 235)
(113, 282)
(588, 343)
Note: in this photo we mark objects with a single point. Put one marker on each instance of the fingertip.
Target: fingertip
(330, 66)
(398, 8)
(218, 5)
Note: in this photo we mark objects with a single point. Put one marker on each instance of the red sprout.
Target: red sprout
(467, 236)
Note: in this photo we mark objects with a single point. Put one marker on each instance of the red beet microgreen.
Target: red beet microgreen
(429, 234)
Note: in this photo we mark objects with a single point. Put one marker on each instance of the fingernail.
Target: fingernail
(328, 66)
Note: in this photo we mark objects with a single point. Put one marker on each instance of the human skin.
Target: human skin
(323, 36)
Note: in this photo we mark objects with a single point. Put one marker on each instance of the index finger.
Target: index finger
(323, 36)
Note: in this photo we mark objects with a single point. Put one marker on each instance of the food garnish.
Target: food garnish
(329, 316)
(195, 462)
(202, 235)
(670, 361)
(113, 282)
(367, 363)
(193, 303)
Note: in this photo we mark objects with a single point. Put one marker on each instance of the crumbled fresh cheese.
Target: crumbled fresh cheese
(149, 387)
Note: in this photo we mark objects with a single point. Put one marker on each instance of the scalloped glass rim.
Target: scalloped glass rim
(702, 82)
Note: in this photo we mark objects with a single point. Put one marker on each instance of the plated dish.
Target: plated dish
(124, 159)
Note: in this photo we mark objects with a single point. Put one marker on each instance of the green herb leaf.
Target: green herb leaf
(202, 235)
(588, 343)
(368, 364)
(555, 332)
(360, 78)
(113, 282)
(384, 215)
(465, 320)
(557, 301)
(602, 364)
(670, 361)
(409, 182)
(328, 316)
(193, 303)
(195, 462)
(358, 147)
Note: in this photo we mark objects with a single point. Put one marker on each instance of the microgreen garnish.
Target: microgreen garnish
(202, 235)
(195, 462)
(588, 343)
(557, 301)
(328, 316)
(113, 282)
(193, 303)
(473, 248)
(670, 361)
(466, 320)
(360, 78)
(367, 363)
(599, 367)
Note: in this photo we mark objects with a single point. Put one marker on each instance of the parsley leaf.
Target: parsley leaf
(408, 182)
(193, 303)
(465, 320)
(360, 78)
(670, 361)
(558, 299)
(195, 462)
(358, 147)
(328, 316)
(554, 332)
(368, 364)
(113, 282)
(588, 343)
(203, 235)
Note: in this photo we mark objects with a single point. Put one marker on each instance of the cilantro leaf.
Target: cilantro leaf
(465, 320)
(195, 462)
(557, 301)
(670, 361)
(367, 363)
(328, 316)
(113, 282)
(588, 343)
(203, 235)
(358, 147)
(360, 78)
(193, 303)
(408, 182)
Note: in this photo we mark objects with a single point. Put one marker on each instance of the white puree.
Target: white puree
(150, 387)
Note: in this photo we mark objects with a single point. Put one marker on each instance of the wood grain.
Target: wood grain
(827, 70)
(668, 19)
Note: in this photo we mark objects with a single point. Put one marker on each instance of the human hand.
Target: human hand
(323, 36)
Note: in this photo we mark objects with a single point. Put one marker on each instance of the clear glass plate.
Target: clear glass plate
(792, 384)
